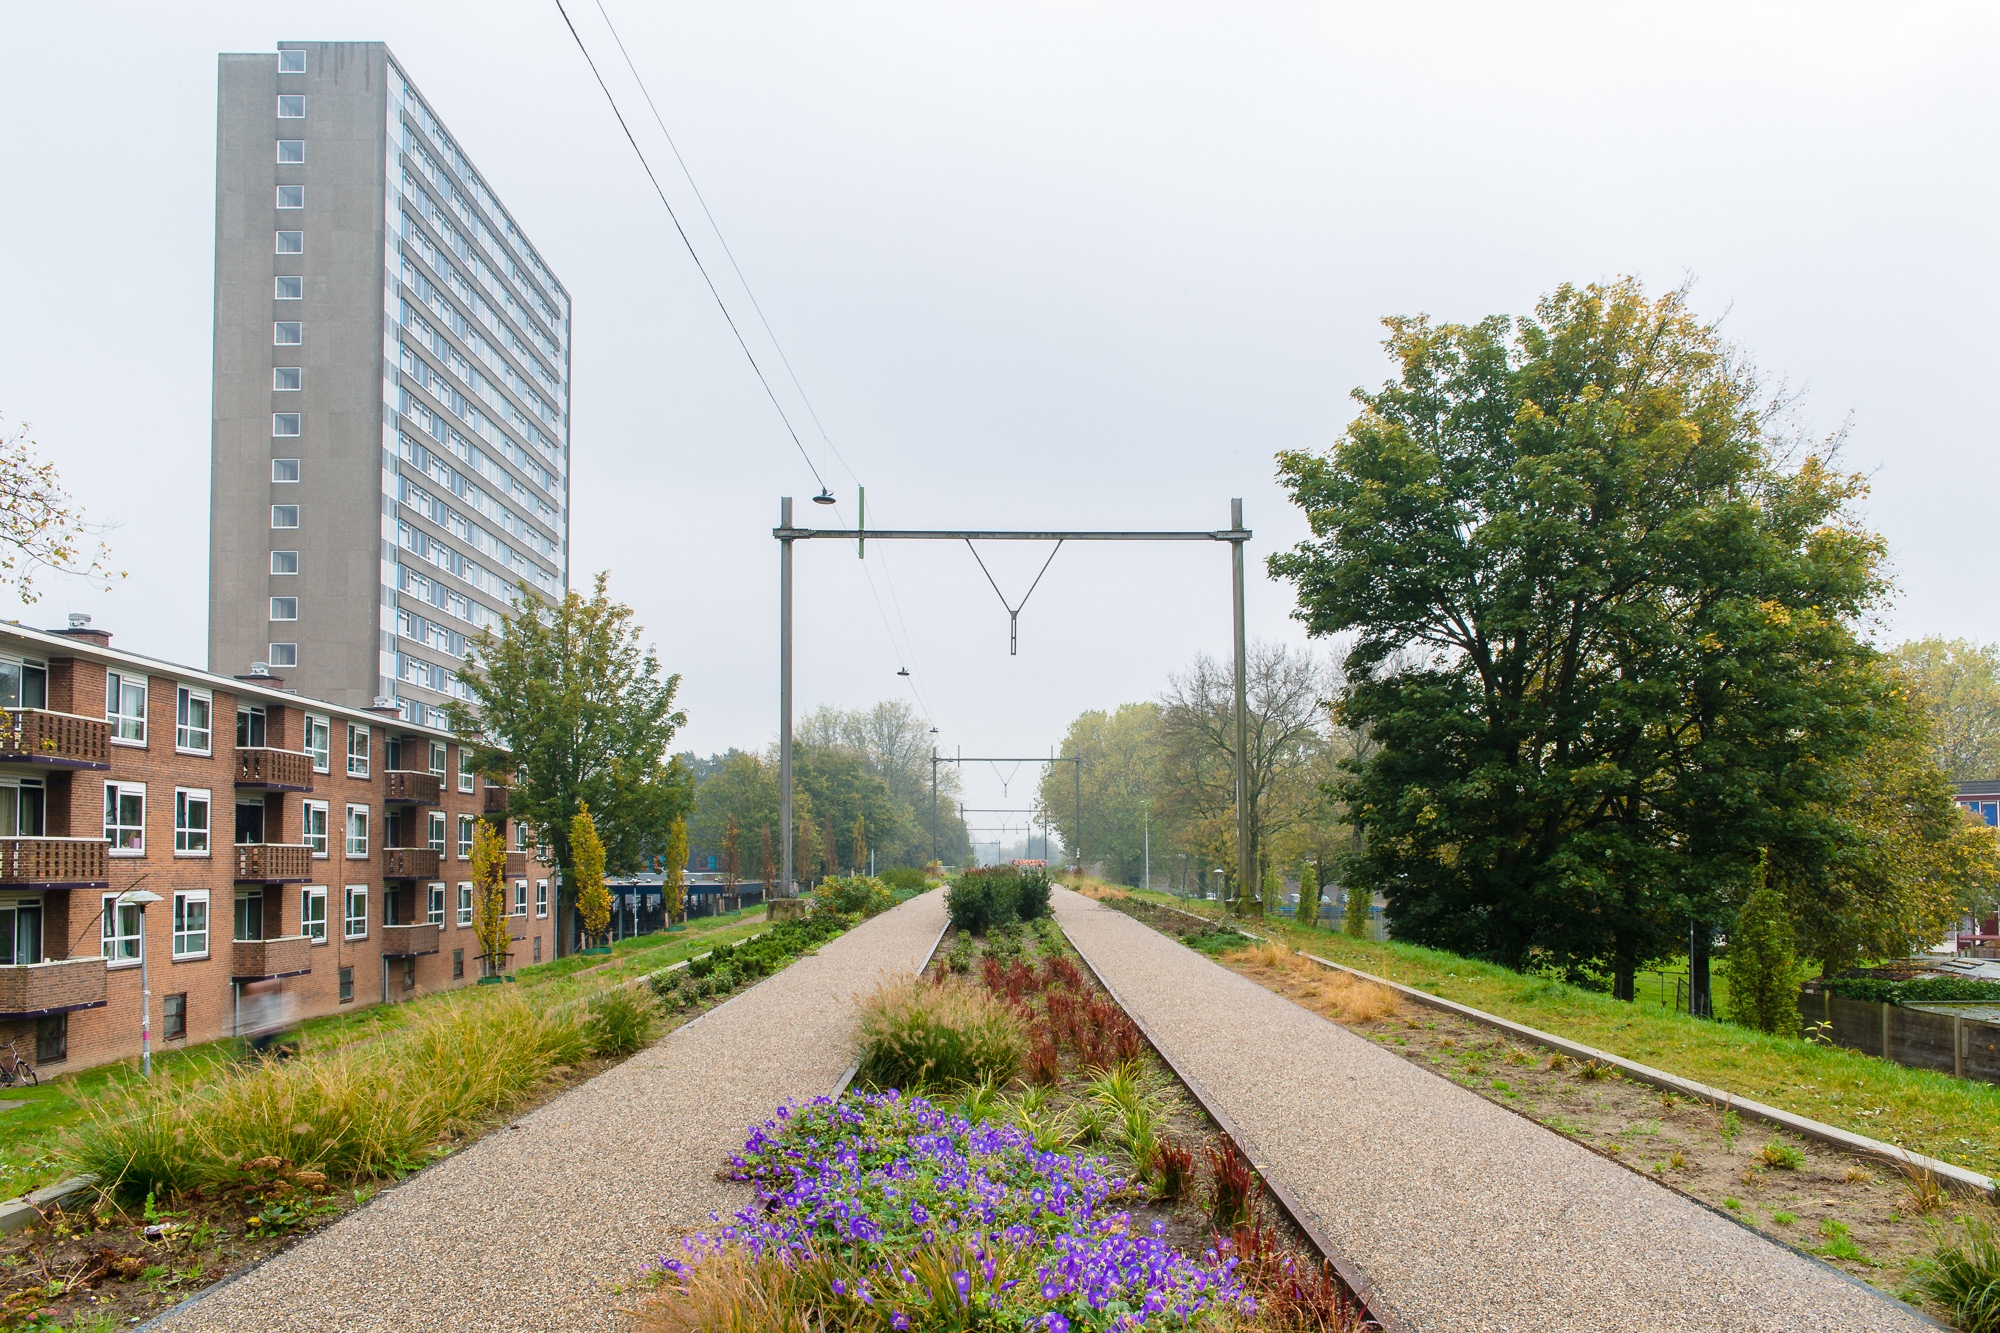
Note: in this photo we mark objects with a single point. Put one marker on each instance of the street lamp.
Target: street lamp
(142, 897)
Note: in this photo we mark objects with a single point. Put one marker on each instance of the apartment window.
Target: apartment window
(284, 424)
(119, 930)
(312, 914)
(437, 758)
(457, 964)
(464, 904)
(464, 769)
(291, 62)
(538, 948)
(520, 897)
(288, 288)
(357, 830)
(436, 914)
(357, 911)
(409, 974)
(437, 831)
(291, 151)
(285, 469)
(287, 378)
(250, 914)
(314, 821)
(357, 751)
(191, 719)
(291, 196)
(285, 562)
(291, 106)
(52, 1039)
(282, 655)
(125, 706)
(541, 897)
(190, 822)
(319, 743)
(520, 836)
(465, 837)
(23, 684)
(287, 333)
(125, 817)
(284, 608)
(284, 516)
(250, 727)
(191, 923)
(347, 985)
(174, 1025)
(291, 243)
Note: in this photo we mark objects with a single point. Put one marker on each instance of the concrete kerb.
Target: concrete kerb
(1378, 1308)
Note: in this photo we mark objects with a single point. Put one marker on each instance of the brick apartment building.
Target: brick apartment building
(324, 846)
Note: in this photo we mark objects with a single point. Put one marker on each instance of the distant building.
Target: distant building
(1982, 798)
(390, 445)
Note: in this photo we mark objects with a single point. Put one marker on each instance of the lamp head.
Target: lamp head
(825, 497)
(902, 671)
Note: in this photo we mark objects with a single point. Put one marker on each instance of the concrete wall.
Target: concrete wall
(1918, 1038)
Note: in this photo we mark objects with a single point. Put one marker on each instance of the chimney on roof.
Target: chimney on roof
(260, 674)
(386, 706)
(79, 628)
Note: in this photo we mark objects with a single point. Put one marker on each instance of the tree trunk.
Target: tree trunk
(1622, 976)
(1701, 995)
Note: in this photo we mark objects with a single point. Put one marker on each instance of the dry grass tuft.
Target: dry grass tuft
(1338, 995)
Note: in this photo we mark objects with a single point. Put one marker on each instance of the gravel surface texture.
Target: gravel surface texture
(531, 1227)
(1463, 1217)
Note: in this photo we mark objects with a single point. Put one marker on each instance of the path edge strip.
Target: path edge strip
(840, 1088)
(1379, 1310)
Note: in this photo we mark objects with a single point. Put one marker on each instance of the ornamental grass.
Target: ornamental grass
(918, 1034)
(1339, 995)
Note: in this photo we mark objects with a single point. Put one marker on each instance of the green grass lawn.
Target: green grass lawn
(29, 1132)
(1956, 1120)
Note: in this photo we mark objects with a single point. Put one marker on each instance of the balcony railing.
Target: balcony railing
(60, 740)
(517, 864)
(63, 985)
(414, 788)
(50, 863)
(409, 941)
(409, 863)
(275, 770)
(496, 800)
(260, 960)
(272, 863)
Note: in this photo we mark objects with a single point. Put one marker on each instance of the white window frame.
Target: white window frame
(321, 729)
(464, 903)
(280, 420)
(278, 470)
(464, 768)
(354, 908)
(299, 371)
(357, 732)
(185, 732)
(278, 338)
(285, 573)
(436, 829)
(299, 98)
(465, 836)
(281, 511)
(115, 683)
(184, 899)
(292, 60)
(278, 200)
(305, 827)
(185, 834)
(541, 897)
(284, 161)
(434, 904)
(520, 898)
(288, 287)
(439, 756)
(280, 606)
(347, 839)
(311, 929)
(282, 654)
(278, 239)
(119, 948)
(114, 794)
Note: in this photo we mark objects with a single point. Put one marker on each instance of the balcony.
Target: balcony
(266, 960)
(62, 986)
(58, 740)
(273, 770)
(496, 800)
(54, 863)
(409, 863)
(409, 941)
(517, 865)
(272, 863)
(413, 788)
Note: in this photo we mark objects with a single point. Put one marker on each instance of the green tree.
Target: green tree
(860, 846)
(1761, 964)
(567, 699)
(41, 525)
(593, 901)
(1354, 922)
(1958, 683)
(1122, 754)
(1605, 614)
(1308, 914)
(489, 896)
(673, 883)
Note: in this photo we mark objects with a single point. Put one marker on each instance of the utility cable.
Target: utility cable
(692, 254)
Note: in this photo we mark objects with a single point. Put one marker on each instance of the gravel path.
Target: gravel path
(529, 1227)
(1463, 1216)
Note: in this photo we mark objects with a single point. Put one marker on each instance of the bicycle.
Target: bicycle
(16, 1068)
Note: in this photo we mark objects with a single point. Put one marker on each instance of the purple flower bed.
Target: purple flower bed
(894, 1214)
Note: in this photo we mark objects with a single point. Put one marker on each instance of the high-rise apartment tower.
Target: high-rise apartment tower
(391, 433)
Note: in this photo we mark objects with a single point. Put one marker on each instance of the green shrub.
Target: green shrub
(917, 1034)
(1761, 965)
(861, 895)
(623, 1020)
(979, 900)
(1962, 1275)
(1919, 990)
(1308, 909)
(905, 879)
(1031, 895)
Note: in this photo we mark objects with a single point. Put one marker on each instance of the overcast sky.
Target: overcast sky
(1062, 265)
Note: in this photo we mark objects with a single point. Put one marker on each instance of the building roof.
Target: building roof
(1981, 787)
